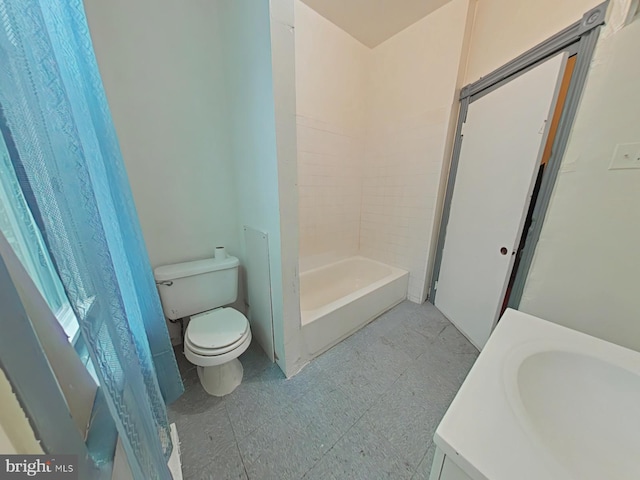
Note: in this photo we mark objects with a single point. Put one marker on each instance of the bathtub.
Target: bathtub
(340, 298)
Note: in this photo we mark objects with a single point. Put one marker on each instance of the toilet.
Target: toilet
(216, 335)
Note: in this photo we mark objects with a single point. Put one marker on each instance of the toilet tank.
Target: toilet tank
(194, 287)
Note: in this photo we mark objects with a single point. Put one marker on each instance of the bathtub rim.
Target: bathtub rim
(309, 316)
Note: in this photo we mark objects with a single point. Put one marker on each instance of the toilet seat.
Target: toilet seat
(215, 358)
(216, 332)
(214, 352)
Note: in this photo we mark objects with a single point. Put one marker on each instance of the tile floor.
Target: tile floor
(366, 409)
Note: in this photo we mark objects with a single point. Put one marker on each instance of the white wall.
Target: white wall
(283, 64)
(504, 29)
(331, 69)
(411, 95)
(585, 271)
(192, 97)
(160, 63)
(260, 153)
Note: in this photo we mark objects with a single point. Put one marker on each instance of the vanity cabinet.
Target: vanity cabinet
(443, 468)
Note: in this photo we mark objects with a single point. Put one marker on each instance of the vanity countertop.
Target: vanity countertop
(546, 402)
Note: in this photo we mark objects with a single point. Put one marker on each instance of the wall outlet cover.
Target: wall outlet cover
(626, 155)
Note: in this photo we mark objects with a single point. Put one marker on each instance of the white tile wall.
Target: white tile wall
(375, 191)
(372, 194)
(330, 192)
(400, 186)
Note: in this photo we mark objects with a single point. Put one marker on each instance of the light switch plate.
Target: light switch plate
(626, 155)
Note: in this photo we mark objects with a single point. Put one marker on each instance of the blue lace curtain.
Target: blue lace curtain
(67, 159)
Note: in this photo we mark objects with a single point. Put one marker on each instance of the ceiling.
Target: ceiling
(374, 21)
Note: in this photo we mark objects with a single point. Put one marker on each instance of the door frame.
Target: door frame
(580, 38)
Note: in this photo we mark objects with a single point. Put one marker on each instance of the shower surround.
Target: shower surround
(372, 135)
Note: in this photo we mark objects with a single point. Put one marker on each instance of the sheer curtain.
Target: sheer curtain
(54, 115)
(17, 224)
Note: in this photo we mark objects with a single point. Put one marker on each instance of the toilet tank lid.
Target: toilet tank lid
(166, 273)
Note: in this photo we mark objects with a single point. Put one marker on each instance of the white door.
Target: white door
(503, 140)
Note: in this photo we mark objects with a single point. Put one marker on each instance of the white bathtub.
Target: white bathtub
(338, 299)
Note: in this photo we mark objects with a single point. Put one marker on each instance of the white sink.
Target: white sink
(546, 402)
(584, 410)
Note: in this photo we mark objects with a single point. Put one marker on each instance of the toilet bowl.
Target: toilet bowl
(213, 341)
(216, 335)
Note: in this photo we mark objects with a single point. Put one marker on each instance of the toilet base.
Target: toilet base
(221, 380)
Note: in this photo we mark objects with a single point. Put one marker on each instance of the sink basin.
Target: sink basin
(544, 402)
(585, 412)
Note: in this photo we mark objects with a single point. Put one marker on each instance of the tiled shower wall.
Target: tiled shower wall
(411, 90)
(330, 192)
(400, 186)
(331, 68)
(375, 194)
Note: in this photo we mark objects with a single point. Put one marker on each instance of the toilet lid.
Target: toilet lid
(217, 328)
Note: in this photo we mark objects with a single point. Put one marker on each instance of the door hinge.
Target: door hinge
(435, 286)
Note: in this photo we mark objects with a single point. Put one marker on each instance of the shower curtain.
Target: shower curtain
(54, 116)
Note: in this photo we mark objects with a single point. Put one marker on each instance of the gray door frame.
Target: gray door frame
(580, 38)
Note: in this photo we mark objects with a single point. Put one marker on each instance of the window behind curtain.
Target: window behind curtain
(17, 224)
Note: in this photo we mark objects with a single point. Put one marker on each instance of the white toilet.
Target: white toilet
(215, 336)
